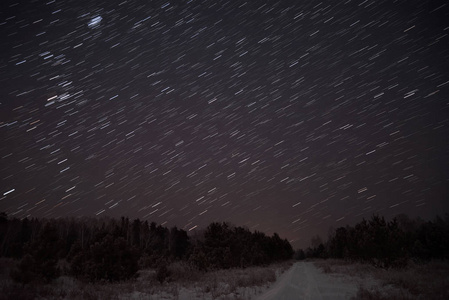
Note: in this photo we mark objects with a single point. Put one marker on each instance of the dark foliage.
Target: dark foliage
(387, 244)
(40, 261)
(299, 255)
(109, 259)
(162, 272)
(105, 249)
(226, 247)
(25, 271)
(113, 250)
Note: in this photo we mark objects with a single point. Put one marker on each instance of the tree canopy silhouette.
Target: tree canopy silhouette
(114, 250)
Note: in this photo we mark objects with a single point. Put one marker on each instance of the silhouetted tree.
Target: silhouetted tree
(299, 255)
(109, 249)
(390, 244)
(109, 259)
(135, 239)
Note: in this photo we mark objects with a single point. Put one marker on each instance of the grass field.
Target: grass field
(415, 281)
(183, 282)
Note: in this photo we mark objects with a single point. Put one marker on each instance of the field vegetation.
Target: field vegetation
(424, 280)
(109, 258)
(398, 259)
(182, 281)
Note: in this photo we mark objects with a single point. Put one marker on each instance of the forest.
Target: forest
(384, 243)
(111, 250)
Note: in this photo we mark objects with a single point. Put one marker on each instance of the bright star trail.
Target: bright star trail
(282, 116)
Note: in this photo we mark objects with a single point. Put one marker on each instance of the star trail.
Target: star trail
(282, 116)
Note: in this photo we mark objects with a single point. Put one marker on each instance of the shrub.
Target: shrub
(162, 272)
(30, 269)
(25, 271)
(110, 259)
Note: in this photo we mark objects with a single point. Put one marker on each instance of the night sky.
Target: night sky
(282, 116)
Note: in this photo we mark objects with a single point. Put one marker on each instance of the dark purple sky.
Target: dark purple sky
(282, 116)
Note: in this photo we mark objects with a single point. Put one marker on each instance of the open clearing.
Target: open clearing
(305, 281)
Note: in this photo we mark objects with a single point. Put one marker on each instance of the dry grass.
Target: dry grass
(376, 294)
(183, 282)
(346, 267)
(416, 281)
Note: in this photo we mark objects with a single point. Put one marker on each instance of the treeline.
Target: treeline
(113, 250)
(226, 247)
(385, 243)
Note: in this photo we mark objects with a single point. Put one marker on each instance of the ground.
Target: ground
(308, 280)
(305, 281)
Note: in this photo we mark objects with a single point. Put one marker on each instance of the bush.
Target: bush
(390, 244)
(25, 271)
(162, 272)
(225, 247)
(299, 255)
(111, 260)
(29, 270)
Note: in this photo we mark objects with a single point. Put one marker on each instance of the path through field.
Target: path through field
(305, 281)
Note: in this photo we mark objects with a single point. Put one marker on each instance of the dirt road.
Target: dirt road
(305, 281)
